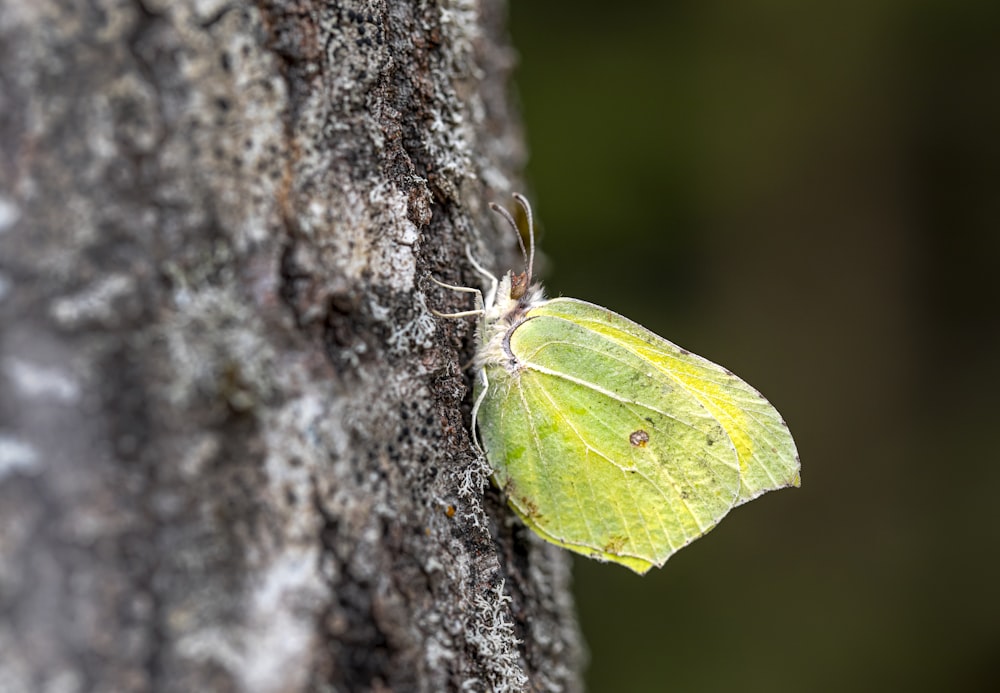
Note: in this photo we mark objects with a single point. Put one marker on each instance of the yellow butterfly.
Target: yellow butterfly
(607, 439)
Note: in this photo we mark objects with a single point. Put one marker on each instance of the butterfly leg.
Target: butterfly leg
(479, 268)
(481, 312)
(492, 291)
(475, 409)
(466, 290)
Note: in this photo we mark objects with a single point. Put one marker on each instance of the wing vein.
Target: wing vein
(538, 445)
(758, 434)
(591, 448)
(702, 528)
(607, 393)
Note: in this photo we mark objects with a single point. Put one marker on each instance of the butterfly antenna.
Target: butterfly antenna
(523, 201)
(513, 224)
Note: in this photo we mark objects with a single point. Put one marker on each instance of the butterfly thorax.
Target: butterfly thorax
(505, 311)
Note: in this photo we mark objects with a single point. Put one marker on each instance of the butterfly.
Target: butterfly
(605, 438)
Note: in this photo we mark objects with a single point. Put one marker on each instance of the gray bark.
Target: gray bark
(234, 446)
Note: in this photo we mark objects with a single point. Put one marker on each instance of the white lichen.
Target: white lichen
(9, 213)
(493, 638)
(215, 345)
(95, 304)
(42, 382)
(17, 456)
(282, 622)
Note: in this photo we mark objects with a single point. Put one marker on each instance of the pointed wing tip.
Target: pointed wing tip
(638, 566)
(747, 496)
(642, 571)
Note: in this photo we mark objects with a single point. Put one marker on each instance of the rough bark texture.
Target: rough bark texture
(234, 449)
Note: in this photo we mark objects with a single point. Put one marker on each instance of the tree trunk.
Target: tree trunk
(234, 442)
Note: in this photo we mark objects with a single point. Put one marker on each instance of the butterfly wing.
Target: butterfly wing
(767, 454)
(615, 443)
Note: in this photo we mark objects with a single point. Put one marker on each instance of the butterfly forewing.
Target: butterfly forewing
(767, 454)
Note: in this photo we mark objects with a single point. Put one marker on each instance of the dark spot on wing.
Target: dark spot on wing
(529, 508)
(638, 438)
(716, 434)
(614, 544)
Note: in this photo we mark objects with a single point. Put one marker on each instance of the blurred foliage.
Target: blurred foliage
(809, 194)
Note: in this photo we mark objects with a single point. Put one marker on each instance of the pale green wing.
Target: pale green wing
(598, 450)
(767, 454)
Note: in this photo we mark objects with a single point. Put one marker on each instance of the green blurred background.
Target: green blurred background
(809, 194)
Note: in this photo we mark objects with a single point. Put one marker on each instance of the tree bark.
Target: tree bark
(234, 442)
